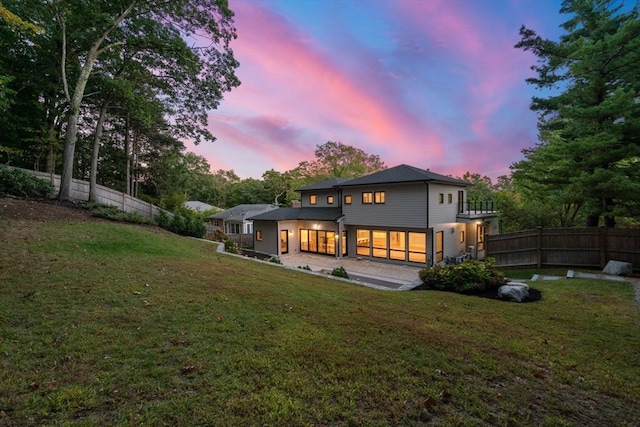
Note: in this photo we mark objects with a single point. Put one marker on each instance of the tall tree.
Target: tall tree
(337, 160)
(194, 75)
(589, 152)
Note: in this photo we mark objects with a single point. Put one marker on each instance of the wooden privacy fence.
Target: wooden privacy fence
(565, 247)
(104, 195)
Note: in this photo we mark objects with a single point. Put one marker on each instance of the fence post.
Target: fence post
(539, 247)
(603, 246)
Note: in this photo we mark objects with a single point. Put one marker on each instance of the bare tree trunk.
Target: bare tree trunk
(127, 154)
(97, 138)
(78, 92)
(134, 155)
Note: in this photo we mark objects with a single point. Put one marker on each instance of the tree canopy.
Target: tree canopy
(589, 126)
(93, 55)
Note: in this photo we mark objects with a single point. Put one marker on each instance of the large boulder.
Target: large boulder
(514, 291)
(617, 268)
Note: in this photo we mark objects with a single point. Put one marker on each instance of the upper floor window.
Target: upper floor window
(441, 198)
(347, 199)
(367, 198)
(313, 199)
(449, 198)
(460, 201)
(329, 200)
(378, 197)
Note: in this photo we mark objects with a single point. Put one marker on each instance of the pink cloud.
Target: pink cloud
(312, 88)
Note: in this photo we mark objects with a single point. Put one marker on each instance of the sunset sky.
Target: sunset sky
(434, 84)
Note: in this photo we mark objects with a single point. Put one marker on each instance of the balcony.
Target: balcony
(477, 210)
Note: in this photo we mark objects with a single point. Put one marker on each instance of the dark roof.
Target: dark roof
(403, 173)
(284, 214)
(327, 184)
(242, 212)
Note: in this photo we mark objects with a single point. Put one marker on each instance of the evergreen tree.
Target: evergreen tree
(589, 154)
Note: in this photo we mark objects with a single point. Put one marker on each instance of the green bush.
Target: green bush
(113, 213)
(218, 236)
(275, 260)
(23, 184)
(231, 247)
(306, 267)
(470, 277)
(340, 272)
(182, 224)
(163, 220)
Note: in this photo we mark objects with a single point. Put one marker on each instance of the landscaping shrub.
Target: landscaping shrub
(340, 272)
(275, 260)
(163, 220)
(306, 267)
(218, 236)
(186, 225)
(230, 246)
(113, 213)
(23, 184)
(469, 277)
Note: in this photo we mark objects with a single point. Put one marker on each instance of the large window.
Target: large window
(363, 242)
(367, 198)
(392, 244)
(378, 197)
(318, 241)
(439, 246)
(460, 201)
(313, 199)
(417, 247)
(397, 245)
(379, 243)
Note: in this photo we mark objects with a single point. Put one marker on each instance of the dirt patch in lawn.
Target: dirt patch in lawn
(42, 210)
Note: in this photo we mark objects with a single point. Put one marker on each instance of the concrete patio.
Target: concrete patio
(369, 273)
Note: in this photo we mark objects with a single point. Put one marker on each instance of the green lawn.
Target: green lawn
(111, 324)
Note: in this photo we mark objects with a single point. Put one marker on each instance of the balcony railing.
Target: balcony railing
(478, 207)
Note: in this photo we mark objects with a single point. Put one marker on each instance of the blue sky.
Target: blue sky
(434, 84)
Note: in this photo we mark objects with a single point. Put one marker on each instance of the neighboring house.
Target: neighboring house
(198, 206)
(402, 215)
(238, 219)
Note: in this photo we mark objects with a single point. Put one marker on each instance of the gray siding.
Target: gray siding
(321, 196)
(293, 236)
(443, 213)
(270, 243)
(405, 206)
(451, 238)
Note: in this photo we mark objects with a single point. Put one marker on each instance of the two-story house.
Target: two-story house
(400, 215)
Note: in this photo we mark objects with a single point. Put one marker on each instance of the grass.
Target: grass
(112, 324)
